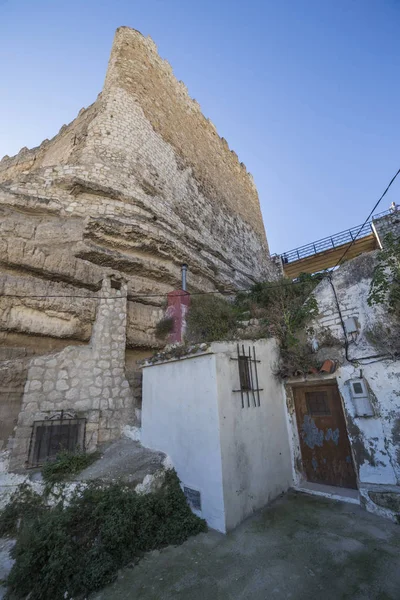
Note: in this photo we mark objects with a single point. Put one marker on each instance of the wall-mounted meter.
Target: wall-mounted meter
(361, 398)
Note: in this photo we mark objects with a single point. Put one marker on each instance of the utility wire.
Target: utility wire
(366, 220)
(227, 293)
(137, 296)
(330, 279)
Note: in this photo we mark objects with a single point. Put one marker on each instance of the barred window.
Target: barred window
(51, 436)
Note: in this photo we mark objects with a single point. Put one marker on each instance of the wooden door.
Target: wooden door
(324, 443)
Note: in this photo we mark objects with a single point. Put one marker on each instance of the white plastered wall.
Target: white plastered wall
(180, 418)
(256, 458)
(238, 458)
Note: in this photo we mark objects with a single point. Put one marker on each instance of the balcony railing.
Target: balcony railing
(331, 242)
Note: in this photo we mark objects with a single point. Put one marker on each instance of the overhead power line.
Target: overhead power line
(225, 293)
(366, 220)
(138, 296)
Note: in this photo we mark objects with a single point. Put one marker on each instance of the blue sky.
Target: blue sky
(307, 92)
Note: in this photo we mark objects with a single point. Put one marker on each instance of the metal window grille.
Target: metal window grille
(62, 431)
(244, 373)
(248, 376)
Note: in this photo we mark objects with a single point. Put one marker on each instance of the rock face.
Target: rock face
(139, 183)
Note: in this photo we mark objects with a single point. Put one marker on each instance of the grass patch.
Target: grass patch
(211, 318)
(66, 465)
(72, 550)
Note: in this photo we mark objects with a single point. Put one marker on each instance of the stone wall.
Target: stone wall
(13, 375)
(139, 183)
(88, 381)
(387, 224)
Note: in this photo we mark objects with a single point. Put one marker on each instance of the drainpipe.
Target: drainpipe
(184, 273)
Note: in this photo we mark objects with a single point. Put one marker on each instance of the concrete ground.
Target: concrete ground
(300, 547)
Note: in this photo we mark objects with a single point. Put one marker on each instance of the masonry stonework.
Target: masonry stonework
(87, 381)
(139, 183)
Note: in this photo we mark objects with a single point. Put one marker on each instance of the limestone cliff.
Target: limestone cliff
(138, 183)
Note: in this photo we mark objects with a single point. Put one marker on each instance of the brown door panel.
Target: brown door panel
(324, 443)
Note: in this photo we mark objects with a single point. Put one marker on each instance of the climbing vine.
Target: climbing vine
(385, 285)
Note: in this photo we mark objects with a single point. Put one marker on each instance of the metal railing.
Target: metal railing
(331, 242)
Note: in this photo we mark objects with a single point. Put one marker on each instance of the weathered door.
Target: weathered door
(324, 444)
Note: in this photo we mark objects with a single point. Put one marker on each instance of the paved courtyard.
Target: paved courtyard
(299, 547)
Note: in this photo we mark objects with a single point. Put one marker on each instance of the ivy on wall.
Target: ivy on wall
(385, 285)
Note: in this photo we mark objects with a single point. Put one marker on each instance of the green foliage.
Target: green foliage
(79, 548)
(385, 285)
(67, 464)
(164, 327)
(286, 308)
(211, 318)
(24, 504)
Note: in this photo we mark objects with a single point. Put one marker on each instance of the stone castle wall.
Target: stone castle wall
(139, 183)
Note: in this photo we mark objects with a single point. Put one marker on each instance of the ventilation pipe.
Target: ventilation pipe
(184, 274)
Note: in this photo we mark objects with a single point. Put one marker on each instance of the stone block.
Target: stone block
(36, 372)
(93, 417)
(104, 435)
(62, 385)
(50, 374)
(104, 364)
(55, 396)
(94, 391)
(47, 406)
(83, 405)
(35, 385)
(72, 394)
(48, 386)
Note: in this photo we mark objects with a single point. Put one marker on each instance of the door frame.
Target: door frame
(299, 474)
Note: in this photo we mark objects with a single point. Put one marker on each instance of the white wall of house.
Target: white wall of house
(254, 440)
(238, 458)
(375, 440)
(379, 435)
(180, 417)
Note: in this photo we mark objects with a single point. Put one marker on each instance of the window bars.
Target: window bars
(62, 431)
(248, 376)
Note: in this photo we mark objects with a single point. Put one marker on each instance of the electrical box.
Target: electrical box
(361, 398)
(350, 325)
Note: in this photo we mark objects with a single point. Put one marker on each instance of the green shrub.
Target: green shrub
(79, 548)
(24, 505)
(286, 308)
(67, 464)
(164, 327)
(211, 318)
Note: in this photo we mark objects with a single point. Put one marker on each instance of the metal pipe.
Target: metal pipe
(184, 273)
